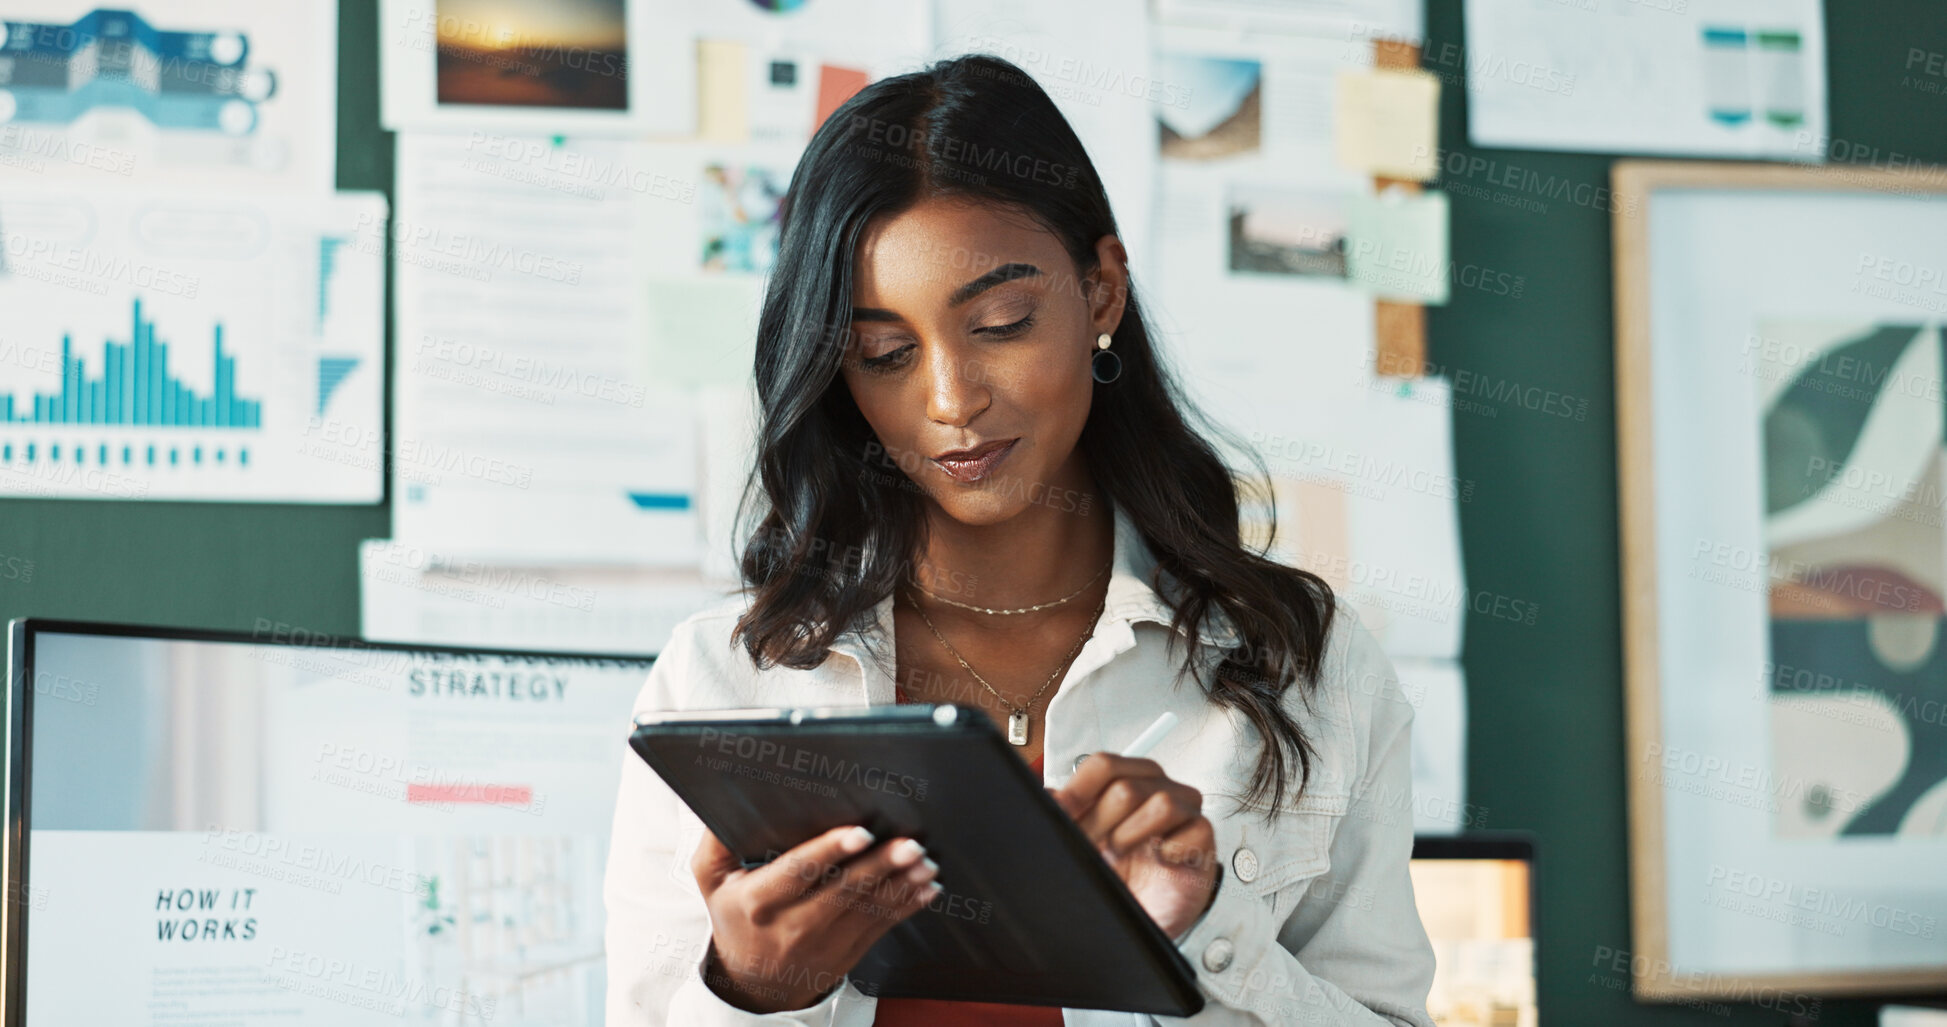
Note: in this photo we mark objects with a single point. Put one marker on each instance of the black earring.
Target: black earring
(1105, 366)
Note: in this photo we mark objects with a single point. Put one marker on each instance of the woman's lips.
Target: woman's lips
(969, 466)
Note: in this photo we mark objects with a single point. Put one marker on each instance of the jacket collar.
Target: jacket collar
(1133, 597)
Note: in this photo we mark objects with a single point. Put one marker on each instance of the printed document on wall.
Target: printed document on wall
(1437, 691)
(526, 430)
(1730, 78)
(201, 93)
(1359, 21)
(586, 68)
(879, 37)
(1371, 504)
(191, 345)
(1247, 289)
(410, 594)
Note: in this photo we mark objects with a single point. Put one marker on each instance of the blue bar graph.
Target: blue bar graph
(331, 374)
(135, 387)
(328, 247)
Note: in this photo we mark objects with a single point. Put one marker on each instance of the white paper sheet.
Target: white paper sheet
(881, 37)
(1733, 78)
(1267, 354)
(525, 430)
(162, 344)
(1358, 20)
(1404, 572)
(1437, 690)
(252, 94)
(1370, 504)
(409, 594)
(589, 69)
(730, 415)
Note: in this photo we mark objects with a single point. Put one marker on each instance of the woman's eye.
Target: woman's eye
(1007, 331)
(888, 360)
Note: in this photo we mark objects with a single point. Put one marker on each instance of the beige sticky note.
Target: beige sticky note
(1312, 516)
(723, 106)
(1387, 122)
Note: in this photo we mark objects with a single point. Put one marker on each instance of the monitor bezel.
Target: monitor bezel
(21, 635)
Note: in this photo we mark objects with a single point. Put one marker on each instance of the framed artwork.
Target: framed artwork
(1783, 485)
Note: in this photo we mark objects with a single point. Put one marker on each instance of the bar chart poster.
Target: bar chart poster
(191, 346)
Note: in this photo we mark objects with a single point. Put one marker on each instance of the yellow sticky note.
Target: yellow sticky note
(723, 105)
(1387, 122)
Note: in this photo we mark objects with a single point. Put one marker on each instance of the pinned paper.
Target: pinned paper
(1387, 122)
(783, 96)
(1396, 245)
(723, 113)
(1407, 578)
(835, 86)
(701, 330)
(1437, 691)
(412, 594)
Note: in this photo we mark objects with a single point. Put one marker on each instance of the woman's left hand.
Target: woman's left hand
(1151, 830)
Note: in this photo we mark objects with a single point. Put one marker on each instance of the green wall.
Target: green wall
(1545, 732)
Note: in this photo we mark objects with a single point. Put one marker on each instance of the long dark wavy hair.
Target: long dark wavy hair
(841, 528)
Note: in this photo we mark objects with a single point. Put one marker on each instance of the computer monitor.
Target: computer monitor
(1476, 896)
(283, 828)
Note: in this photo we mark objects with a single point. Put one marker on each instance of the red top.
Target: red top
(926, 1012)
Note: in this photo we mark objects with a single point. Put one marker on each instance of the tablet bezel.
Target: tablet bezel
(948, 720)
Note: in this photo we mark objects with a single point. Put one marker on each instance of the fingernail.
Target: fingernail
(930, 865)
(855, 840)
(933, 891)
(907, 851)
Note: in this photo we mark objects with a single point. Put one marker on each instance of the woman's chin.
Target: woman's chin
(978, 507)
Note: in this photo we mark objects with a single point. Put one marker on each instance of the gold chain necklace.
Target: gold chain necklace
(1017, 716)
(1024, 609)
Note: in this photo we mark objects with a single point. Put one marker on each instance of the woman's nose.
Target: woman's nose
(956, 390)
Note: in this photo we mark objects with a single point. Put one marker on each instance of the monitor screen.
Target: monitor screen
(1477, 909)
(246, 833)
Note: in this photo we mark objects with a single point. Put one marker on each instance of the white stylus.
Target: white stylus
(1151, 736)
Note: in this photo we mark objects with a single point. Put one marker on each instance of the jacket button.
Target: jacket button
(1244, 862)
(1217, 955)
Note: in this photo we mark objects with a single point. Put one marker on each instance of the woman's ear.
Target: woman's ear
(1108, 291)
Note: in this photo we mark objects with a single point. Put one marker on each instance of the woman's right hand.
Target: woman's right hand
(785, 934)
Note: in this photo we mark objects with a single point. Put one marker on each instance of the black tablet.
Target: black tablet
(1029, 912)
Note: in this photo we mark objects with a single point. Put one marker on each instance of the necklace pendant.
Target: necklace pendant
(1017, 727)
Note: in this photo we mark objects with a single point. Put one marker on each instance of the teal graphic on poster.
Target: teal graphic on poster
(1853, 434)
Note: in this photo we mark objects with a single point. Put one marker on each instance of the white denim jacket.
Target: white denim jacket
(1313, 921)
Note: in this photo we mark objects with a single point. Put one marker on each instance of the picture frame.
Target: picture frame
(463, 67)
(1771, 861)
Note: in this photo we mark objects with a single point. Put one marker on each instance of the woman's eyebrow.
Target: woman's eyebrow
(1004, 273)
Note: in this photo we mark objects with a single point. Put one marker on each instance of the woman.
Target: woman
(981, 488)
